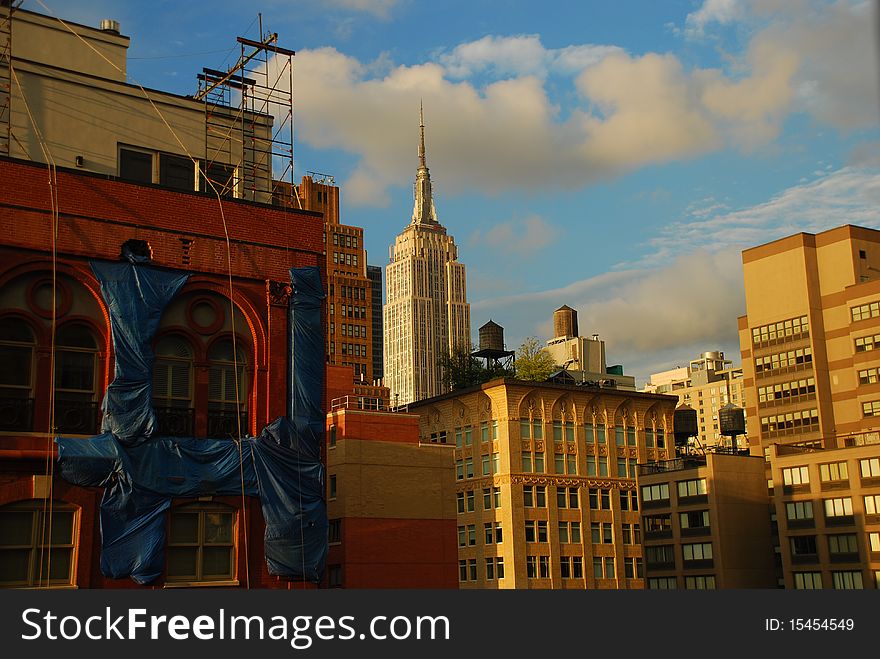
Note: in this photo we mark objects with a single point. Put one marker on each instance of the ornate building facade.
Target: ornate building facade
(426, 313)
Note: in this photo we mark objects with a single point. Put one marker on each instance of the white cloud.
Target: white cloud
(846, 196)
(686, 295)
(508, 133)
(518, 56)
(521, 236)
(722, 12)
(378, 8)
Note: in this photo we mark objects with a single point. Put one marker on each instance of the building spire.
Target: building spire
(423, 206)
(421, 136)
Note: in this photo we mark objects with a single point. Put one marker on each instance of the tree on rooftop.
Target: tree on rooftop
(533, 362)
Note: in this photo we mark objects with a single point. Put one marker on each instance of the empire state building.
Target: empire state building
(426, 314)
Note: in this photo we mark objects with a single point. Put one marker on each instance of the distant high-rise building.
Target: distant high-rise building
(706, 384)
(350, 314)
(426, 310)
(374, 273)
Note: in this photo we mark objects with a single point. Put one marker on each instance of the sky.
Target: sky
(616, 157)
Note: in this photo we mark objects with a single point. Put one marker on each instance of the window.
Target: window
(845, 543)
(867, 343)
(469, 468)
(600, 434)
(334, 531)
(835, 471)
(796, 476)
(603, 466)
(589, 433)
(591, 465)
(700, 582)
(632, 568)
(535, 496)
(16, 376)
(791, 422)
(609, 567)
(492, 532)
(785, 330)
(494, 568)
(172, 386)
(75, 366)
(459, 499)
(227, 392)
(29, 555)
(176, 172)
(332, 487)
(871, 408)
(870, 468)
(136, 166)
(865, 311)
(698, 519)
(662, 583)
(631, 534)
(841, 507)
(803, 545)
(201, 543)
(651, 493)
(491, 498)
(599, 500)
(792, 360)
(531, 428)
(459, 470)
(471, 535)
(569, 532)
(218, 176)
(848, 580)
(566, 497)
(874, 542)
(470, 501)
(799, 510)
(532, 567)
(462, 536)
(701, 551)
(462, 570)
(472, 569)
(656, 524)
(484, 431)
(332, 435)
(619, 435)
(691, 488)
(807, 580)
(602, 533)
(868, 376)
(872, 504)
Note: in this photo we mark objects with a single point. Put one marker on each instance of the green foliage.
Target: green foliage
(533, 362)
(461, 370)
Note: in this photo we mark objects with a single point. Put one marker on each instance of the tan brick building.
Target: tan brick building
(706, 524)
(545, 488)
(809, 335)
(827, 507)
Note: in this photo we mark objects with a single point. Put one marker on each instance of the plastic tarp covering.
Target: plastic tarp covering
(141, 474)
(136, 296)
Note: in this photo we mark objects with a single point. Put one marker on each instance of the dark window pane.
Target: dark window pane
(74, 370)
(182, 562)
(176, 172)
(184, 528)
(16, 528)
(75, 336)
(135, 166)
(216, 562)
(218, 528)
(14, 566)
(16, 370)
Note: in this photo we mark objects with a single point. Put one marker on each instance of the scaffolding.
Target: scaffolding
(7, 9)
(261, 85)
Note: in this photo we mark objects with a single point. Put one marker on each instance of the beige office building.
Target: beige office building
(808, 339)
(827, 510)
(704, 385)
(426, 313)
(705, 523)
(546, 480)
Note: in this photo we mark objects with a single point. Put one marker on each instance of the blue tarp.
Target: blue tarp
(141, 473)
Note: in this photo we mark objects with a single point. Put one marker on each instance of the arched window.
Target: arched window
(16, 375)
(36, 549)
(76, 359)
(172, 386)
(201, 543)
(227, 391)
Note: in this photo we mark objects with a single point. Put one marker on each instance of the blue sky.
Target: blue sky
(612, 156)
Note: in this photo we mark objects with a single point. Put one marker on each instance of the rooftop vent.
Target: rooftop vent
(109, 25)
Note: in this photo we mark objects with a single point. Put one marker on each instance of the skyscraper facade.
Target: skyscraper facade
(426, 314)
